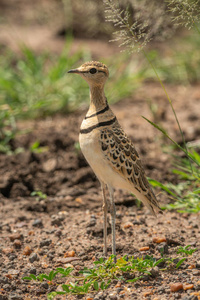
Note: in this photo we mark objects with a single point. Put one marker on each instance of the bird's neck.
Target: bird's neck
(97, 99)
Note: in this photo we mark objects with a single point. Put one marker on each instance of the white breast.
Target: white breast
(91, 149)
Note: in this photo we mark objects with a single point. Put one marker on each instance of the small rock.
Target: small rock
(27, 251)
(58, 233)
(44, 285)
(37, 223)
(17, 244)
(154, 272)
(3, 280)
(6, 287)
(3, 297)
(175, 287)
(14, 297)
(127, 225)
(33, 257)
(198, 264)
(32, 270)
(7, 250)
(188, 286)
(45, 242)
(50, 165)
(159, 240)
(15, 236)
(57, 220)
(144, 248)
(195, 272)
(12, 256)
(69, 253)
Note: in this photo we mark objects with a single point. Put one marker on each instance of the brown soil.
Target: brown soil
(70, 218)
(35, 233)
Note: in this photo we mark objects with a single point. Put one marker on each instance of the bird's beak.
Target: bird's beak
(74, 71)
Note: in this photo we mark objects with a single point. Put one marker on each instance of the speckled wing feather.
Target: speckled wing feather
(124, 159)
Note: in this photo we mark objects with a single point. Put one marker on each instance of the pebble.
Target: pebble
(154, 272)
(57, 220)
(144, 248)
(37, 223)
(3, 280)
(188, 286)
(32, 270)
(27, 250)
(198, 265)
(12, 256)
(45, 285)
(159, 240)
(14, 297)
(33, 257)
(45, 242)
(15, 236)
(175, 287)
(195, 272)
(7, 250)
(69, 253)
(17, 244)
(127, 225)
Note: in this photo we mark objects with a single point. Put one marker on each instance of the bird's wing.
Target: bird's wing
(124, 159)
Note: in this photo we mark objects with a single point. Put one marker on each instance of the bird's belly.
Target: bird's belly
(91, 149)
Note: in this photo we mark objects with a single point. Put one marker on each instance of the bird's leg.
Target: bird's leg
(105, 210)
(113, 216)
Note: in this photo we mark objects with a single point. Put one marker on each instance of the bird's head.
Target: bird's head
(94, 72)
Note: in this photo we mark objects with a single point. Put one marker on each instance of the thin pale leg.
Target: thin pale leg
(105, 211)
(113, 216)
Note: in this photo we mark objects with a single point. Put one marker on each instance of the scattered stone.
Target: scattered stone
(15, 236)
(128, 225)
(3, 280)
(17, 244)
(196, 272)
(27, 251)
(69, 253)
(188, 286)
(45, 242)
(15, 297)
(7, 250)
(49, 165)
(175, 287)
(12, 256)
(144, 248)
(57, 220)
(58, 233)
(154, 272)
(33, 257)
(37, 223)
(198, 265)
(159, 240)
(32, 270)
(44, 285)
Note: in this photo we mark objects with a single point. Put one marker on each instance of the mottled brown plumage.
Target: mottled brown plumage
(108, 150)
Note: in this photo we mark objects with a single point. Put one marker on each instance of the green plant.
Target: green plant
(185, 250)
(185, 194)
(100, 276)
(39, 195)
(35, 147)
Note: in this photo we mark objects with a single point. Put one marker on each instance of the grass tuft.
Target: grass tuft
(102, 274)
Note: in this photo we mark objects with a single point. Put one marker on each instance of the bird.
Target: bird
(109, 151)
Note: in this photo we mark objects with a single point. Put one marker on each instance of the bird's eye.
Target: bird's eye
(93, 71)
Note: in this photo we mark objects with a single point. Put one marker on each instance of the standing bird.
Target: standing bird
(108, 150)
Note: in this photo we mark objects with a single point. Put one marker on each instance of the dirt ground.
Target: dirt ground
(36, 233)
